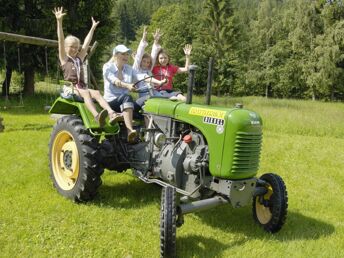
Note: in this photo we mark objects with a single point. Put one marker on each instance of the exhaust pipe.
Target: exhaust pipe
(210, 80)
(192, 70)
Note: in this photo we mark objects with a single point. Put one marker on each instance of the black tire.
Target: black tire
(73, 163)
(168, 217)
(270, 209)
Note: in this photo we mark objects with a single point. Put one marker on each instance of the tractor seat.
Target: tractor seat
(68, 93)
(72, 97)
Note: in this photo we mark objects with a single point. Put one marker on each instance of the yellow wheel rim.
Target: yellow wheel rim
(264, 214)
(65, 160)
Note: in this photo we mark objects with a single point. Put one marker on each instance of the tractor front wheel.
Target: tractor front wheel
(270, 209)
(168, 218)
(74, 168)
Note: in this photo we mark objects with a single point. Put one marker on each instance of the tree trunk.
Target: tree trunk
(332, 94)
(7, 82)
(313, 94)
(29, 81)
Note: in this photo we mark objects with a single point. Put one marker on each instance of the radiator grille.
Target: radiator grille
(246, 152)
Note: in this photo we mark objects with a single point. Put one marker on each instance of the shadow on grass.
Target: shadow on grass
(131, 194)
(199, 246)
(241, 220)
(30, 127)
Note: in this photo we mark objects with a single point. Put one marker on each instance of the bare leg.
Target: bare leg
(85, 94)
(128, 118)
(102, 102)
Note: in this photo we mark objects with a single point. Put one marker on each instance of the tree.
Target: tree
(329, 51)
(217, 33)
(267, 31)
(178, 25)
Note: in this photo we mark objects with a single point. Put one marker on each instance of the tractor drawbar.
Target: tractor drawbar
(201, 205)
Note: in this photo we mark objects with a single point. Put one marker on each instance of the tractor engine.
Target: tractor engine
(179, 153)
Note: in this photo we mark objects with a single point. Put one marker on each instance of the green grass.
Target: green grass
(303, 143)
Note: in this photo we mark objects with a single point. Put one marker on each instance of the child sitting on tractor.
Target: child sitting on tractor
(71, 63)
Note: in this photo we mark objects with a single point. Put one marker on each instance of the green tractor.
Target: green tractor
(202, 156)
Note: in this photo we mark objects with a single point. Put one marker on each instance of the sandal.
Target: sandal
(132, 136)
(115, 118)
(100, 118)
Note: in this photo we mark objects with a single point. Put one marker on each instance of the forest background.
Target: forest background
(272, 48)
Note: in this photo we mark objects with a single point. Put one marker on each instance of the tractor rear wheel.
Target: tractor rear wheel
(74, 167)
(270, 209)
(168, 217)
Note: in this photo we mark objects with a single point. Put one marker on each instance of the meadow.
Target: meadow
(303, 143)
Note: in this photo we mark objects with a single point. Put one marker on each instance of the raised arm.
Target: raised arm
(140, 50)
(156, 46)
(60, 36)
(187, 51)
(87, 41)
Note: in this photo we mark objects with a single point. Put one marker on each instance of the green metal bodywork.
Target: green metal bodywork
(233, 135)
(68, 107)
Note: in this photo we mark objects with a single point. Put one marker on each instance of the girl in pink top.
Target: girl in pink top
(165, 69)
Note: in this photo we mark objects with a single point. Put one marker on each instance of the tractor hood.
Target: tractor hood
(234, 135)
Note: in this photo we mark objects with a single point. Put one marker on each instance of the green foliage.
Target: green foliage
(17, 80)
(177, 23)
(274, 48)
(217, 33)
(293, 49)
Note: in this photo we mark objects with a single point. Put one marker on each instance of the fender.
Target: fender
(69, 106)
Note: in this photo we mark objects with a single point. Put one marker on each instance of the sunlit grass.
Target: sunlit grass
(303, 142)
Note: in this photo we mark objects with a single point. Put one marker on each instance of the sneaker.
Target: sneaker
(100, 118)
(132, 136)
(115, 118)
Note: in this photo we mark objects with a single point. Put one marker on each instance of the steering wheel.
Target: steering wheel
(147, 88)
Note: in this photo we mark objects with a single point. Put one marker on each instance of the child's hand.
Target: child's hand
(164, 81)
(157, 35)
(144, 34)
(187, 49)
(94, 23)
(59, 13)
(131, 87)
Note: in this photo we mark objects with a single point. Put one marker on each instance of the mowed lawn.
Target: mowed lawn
(303, 143)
